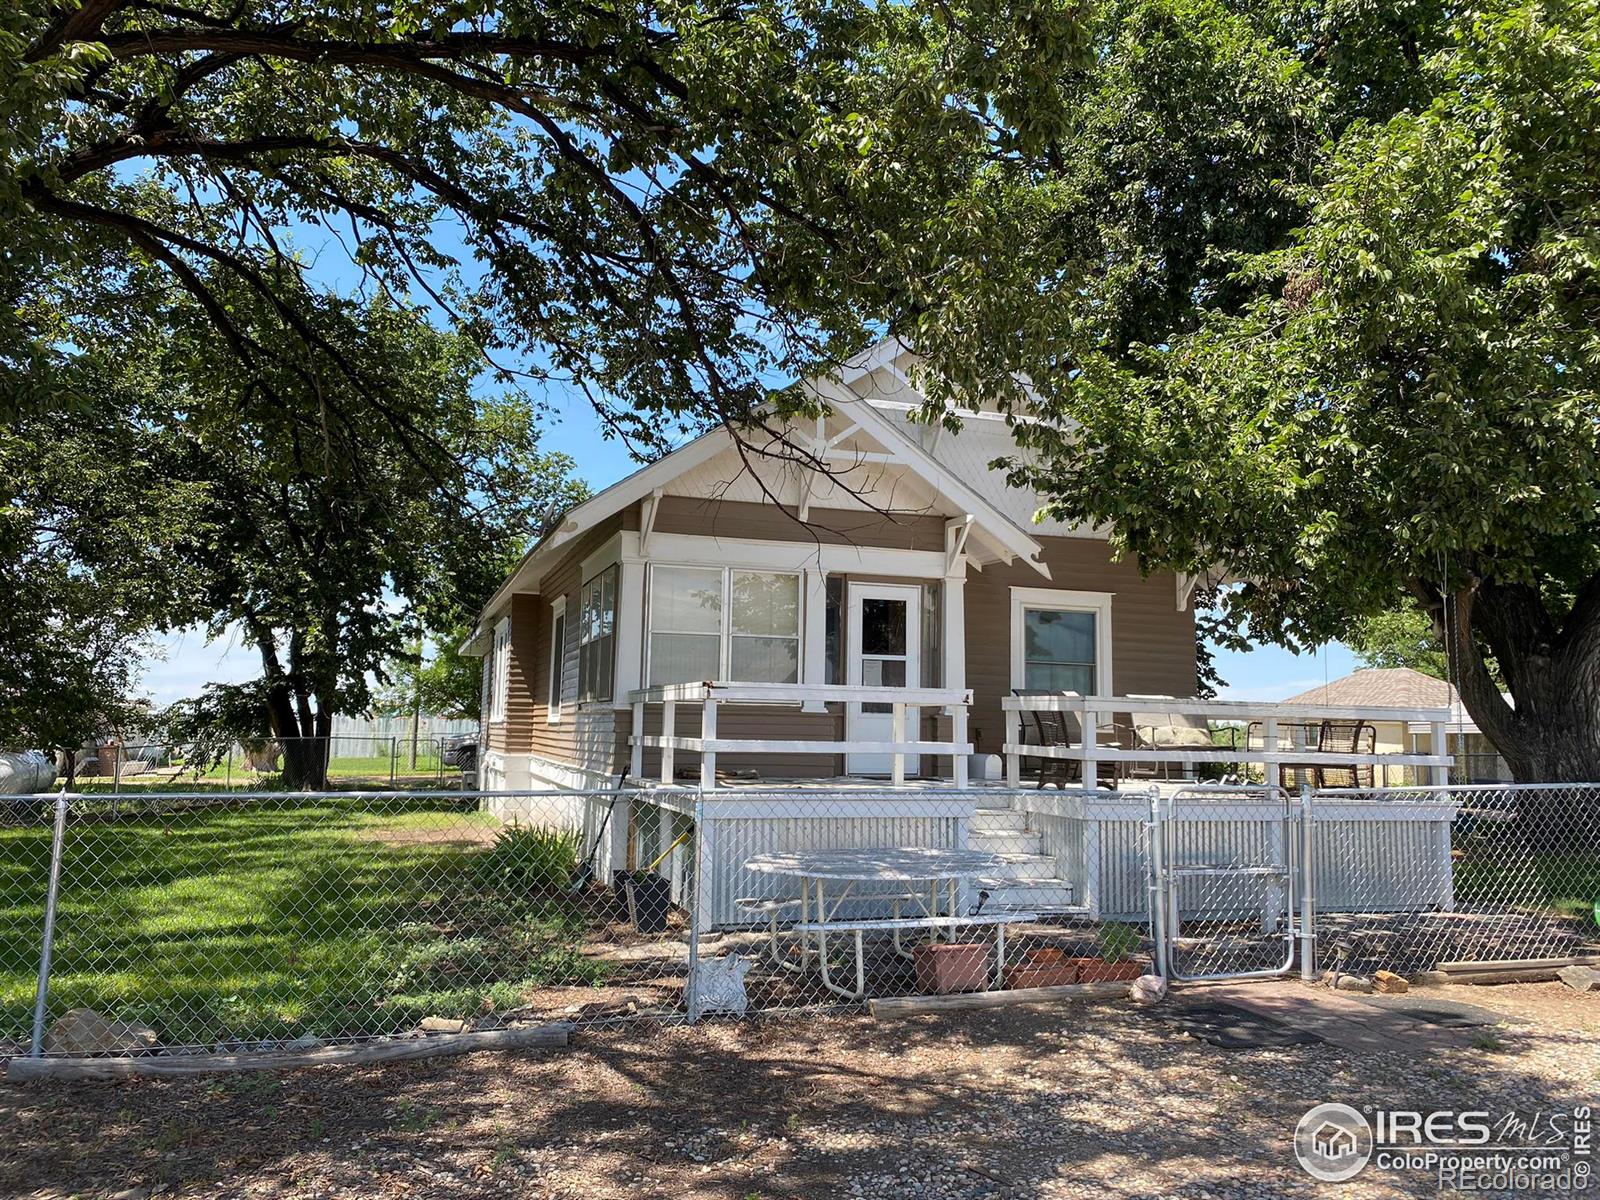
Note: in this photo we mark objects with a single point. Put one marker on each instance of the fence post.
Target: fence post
(1308, 893)
(695, 876)
(394, 758)
(1158, 882)
(41, 991)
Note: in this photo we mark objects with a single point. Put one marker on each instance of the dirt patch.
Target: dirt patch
(445, 835)
(1064, 1101)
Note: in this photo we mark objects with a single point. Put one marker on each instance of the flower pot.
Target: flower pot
(1047, 966)
(1097, 970)
(946, 967)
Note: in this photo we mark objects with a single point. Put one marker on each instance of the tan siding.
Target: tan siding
(1152, 642)
(511, 735)
(573, 738)
(832, 527)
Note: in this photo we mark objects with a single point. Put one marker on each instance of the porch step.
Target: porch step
(1006, 841)
(1028, 866)
(999, 820)
(1045, 896)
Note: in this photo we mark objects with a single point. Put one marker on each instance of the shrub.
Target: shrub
(531, 858)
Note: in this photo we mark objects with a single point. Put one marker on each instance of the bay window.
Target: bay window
(723, 623)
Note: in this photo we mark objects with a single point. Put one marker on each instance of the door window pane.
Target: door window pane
(883, 626)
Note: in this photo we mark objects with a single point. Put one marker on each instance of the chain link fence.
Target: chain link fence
(342, 761)
(1489, 874)
(223, 921)
(226, 922)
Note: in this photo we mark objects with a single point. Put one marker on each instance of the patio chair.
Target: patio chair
(1327, 737)
(1055, 728)
(1347, 737)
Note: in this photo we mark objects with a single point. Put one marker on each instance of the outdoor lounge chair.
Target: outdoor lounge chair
(1169, 731)
(1326, 737)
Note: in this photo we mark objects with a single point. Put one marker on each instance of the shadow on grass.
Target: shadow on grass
(256, 920)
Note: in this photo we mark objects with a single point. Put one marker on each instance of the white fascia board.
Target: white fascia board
(524, 577)
(885, 353)
(994, 529)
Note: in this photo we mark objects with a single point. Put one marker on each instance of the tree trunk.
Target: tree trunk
(1550, 731)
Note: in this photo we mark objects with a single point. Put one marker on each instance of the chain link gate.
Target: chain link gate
(1230, 882)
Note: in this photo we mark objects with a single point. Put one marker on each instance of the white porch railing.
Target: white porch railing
(905, 705)
(1094, 713)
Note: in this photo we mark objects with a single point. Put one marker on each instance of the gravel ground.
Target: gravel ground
(1061, 1101)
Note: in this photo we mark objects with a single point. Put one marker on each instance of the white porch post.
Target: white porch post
(958, 735)
(1091, 754)
(1441, 745)
(630, 618)
(953, 637)
(1013, 738)
(897, 733)
(636, 736)
(669, 730)
(708, 731)
(814, 639)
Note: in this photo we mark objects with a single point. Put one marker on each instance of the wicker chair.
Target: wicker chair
(1347, 737)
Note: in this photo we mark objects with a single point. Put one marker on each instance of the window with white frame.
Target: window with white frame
(499, 671)
(597, 635)
(558, 660)
(1060, 641)
(723, 623)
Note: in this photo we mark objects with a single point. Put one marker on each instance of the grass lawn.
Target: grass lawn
(276, 919)
(1567, 884)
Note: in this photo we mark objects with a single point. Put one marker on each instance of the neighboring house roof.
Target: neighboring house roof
(1394, 687)
(1397, 687)
(996, 532)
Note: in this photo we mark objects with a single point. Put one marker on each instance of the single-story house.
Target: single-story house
(909, 562)
(884, 624)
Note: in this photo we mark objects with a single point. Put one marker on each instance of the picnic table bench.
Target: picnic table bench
(942, 870)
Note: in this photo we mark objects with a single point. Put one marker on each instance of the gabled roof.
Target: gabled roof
(995, 532)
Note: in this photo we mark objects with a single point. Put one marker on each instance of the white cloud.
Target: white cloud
(185, 661)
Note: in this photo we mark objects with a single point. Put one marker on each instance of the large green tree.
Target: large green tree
(669, 204)
(1311, 291)
(323, 551)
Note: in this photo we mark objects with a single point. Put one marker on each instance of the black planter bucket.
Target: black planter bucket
(649, 896)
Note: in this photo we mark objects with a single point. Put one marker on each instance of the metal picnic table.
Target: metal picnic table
(940, 871)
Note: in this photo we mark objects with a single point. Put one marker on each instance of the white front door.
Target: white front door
(883, 649)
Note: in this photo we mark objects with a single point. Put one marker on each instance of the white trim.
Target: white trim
(606, 554)
(856, 721)
(500, 664)
(649, 509)
(1005, 539)
(630, 619)
(1063, 600)
(558, 653)
(702, 550)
